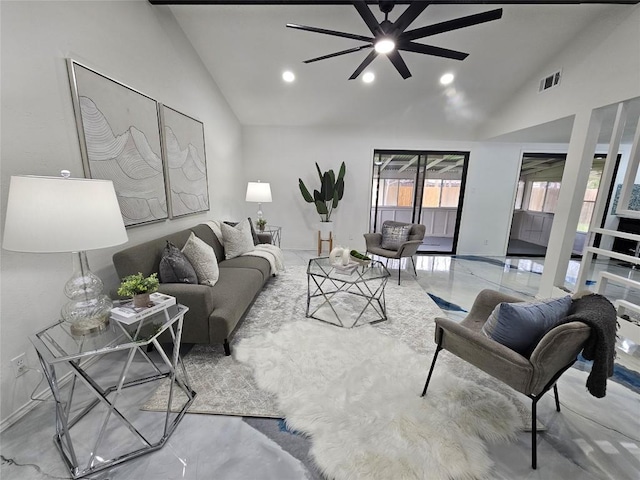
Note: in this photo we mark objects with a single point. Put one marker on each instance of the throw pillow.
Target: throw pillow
(520, 326)
(256, 240)
(175, 267)
(203, 259)
(394, 236)
(237, 240)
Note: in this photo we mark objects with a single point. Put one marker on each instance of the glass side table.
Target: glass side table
(346, 298)
(276, 233)
(102, 399)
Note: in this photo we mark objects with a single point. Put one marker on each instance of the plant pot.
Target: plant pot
(325, 229)
(141, 300)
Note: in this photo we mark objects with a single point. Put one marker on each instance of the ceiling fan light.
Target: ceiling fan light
(368, 77)
(385, 45)
(447, 79)
(288, 76)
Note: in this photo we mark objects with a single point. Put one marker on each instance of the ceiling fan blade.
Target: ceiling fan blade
(330, 32)
(365, 63)
(409, 15)
(342, 52)
(455, 24)
(431, 50)
(368, 16)
(398, 62)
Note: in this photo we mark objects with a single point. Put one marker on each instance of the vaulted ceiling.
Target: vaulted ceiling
(247, 47)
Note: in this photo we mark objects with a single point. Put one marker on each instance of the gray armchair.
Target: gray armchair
(533, 376)
(406, 250)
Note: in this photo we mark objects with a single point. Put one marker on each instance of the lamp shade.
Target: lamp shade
(55, 214)
(258, 192)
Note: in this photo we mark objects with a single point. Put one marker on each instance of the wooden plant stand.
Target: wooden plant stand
(322, 240)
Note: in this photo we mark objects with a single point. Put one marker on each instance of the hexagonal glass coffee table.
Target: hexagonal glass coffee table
(343, 297)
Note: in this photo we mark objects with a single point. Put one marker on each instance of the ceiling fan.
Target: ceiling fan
(391, 37)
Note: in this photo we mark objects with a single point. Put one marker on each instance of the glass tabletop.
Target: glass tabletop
(351, 274)
(57, 343)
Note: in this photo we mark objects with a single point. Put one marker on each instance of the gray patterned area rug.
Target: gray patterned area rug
(225, 386)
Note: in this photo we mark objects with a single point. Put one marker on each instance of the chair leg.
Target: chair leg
(414, 267)
(433, 364)
(398, 271)
(227, 347)
(555, 393)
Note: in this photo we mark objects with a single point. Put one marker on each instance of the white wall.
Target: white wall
(600, 67)
(131, 41)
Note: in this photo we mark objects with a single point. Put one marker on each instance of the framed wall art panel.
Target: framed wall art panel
(119, 133)
(185, 163)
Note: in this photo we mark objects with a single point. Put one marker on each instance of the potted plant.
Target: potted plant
(327, 198)
(260, 223)
(139, 287)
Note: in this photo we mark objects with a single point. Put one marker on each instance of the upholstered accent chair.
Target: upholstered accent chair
(534, 376)
(377, 243)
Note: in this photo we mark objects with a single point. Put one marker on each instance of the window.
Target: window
(405, 193)
(589, 202)
(551, 197)
(450, 193)
(544, 196)
(441, 193)
(536, 200)
(390, 195)
(397, 193)
(431, 193)
(519, 195)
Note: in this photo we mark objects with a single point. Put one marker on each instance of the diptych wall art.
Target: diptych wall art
(158, 168)
(185, 162)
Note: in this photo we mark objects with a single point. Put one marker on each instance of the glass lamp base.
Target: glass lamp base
(87, 326)
(88, 309)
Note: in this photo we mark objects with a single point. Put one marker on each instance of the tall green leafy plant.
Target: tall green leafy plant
(331, 191)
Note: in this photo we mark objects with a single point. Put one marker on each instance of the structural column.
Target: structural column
(582, 147)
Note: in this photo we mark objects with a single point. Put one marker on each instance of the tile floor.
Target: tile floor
(590, 439)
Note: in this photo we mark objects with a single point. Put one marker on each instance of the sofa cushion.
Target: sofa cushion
(394, 235)
(237, 240)
(520, 326)
(248, 261)
(203, 259)
(175, 267)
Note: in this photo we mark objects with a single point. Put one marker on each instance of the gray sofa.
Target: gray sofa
(214, 312)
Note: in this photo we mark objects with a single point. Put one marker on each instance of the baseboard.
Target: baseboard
(45, 394)
(30, 405)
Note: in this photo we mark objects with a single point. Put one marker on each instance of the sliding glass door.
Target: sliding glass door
(424, 187)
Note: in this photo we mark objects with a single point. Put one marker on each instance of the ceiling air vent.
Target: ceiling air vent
(551, 81)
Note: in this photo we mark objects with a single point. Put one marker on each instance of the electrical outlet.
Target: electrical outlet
(486, 242)
(19, 364)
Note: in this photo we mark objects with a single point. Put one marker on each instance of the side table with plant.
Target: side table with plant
(139, 287)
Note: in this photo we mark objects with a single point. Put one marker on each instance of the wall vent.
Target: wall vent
(550, 81)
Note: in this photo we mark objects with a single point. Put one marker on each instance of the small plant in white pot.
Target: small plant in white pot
(261, 223)
(139, 287)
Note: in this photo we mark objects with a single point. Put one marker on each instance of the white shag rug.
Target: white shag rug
(356, 394)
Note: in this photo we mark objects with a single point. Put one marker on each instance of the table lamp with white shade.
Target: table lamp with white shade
(259, 193)
(63, 214)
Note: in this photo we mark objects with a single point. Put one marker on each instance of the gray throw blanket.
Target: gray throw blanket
(597, 312)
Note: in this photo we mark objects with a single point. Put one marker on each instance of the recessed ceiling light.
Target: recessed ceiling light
(446, 79)
(385, 45)
(288, 76)
(368, 77)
